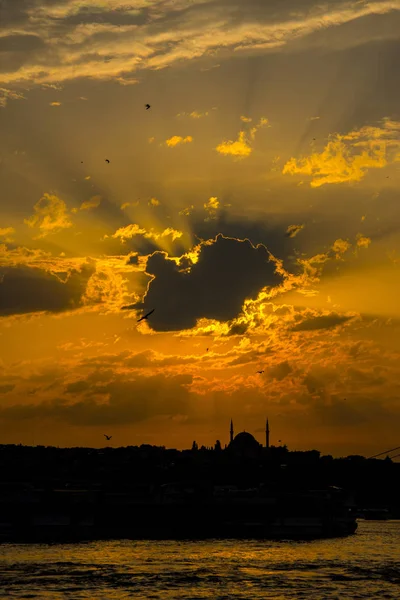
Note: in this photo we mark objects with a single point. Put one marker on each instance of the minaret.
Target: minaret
(267, 435)
(231, 431)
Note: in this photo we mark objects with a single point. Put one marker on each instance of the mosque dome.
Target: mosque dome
(245, 444)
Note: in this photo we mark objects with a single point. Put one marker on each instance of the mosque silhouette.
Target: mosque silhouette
(245, 445)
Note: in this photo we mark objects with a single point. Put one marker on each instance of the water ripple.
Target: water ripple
(362, 567)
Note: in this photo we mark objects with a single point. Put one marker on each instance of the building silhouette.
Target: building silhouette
(245, 445)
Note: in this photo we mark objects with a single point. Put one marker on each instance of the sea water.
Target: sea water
(365, 565)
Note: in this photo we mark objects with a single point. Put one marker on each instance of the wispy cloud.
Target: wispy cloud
(293, 230)
(194, 114)
(211, 207)
(187, 210)
(94, 202)
(125, 205)
(60, 41)
(50, 216)
(130, 231)
(6, 94)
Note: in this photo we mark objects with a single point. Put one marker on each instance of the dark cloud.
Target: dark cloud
(127, 402)
(324, 322)
(366, 378)
(238, 329)
(133, 259)
(87, 15)
(18, 49)
(77, 387)
(263, 230)
(280, 371)
(8, 387)
(227, 272)
(20, 43)
(318, 379)
(350, 413)
(25, 290)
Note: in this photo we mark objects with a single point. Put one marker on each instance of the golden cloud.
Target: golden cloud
(106, 290)
(130, 231)
(175, 140)
(187, 210)
(363, 241)
(193, 115)
(211, 206)
(36, 258)
(154, 202)
(50, 216)
(6, 232)
(262, 123)
(246, 119)
(197, 115)
(6, 95)
(126, 80)
(55, 103)
(127, 204)
(94, 202)
(340, 247)
(349, 157)
(240, 148)
(135, 46)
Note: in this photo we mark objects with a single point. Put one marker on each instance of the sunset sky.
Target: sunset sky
(254, 206)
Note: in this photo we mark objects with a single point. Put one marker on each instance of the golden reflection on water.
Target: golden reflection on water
(366, 565)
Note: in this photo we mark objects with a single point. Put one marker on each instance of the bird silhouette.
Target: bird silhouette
(107, 161)
(147, 106)
(108, 437)
(207, 349)
(146, 316)
(260, 372)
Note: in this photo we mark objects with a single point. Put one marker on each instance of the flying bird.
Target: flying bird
(146, 316)
(107, 161)
(108, 437)
(147, 106)
(260, 372)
